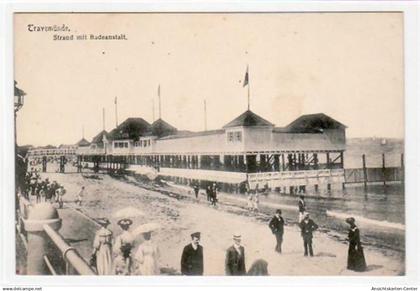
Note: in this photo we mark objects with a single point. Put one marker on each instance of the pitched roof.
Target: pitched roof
(83, 142)
(248, 118)
(98, 139)
(131, 128)
(162, 128)
(312, 123)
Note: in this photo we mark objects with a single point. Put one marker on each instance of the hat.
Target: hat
(237, 236)
(306, 214)
(103, 221)
(278, 211)
(125, 222)
(196, 234)
(350, 220)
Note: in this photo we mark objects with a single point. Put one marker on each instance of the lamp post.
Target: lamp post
(19, 100)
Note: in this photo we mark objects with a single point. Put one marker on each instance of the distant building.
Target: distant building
(52, 151)
(249, 149)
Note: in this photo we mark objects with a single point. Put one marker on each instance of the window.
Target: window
(234, 136)
(230, 136)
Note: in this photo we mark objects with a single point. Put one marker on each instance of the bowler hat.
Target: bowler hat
(125, 222)
(196, 234)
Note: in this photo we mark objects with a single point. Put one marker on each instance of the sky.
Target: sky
(346, 65)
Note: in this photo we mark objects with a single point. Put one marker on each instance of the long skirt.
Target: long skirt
(356, 259)
(104, 260)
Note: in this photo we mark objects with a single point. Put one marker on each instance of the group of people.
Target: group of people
(192, 263)
(355, 259)
(253, 200)
(114, 257)
(42, 189)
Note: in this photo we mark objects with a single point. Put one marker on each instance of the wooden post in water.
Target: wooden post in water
(383, 169)
(364, 172)
(402, 170)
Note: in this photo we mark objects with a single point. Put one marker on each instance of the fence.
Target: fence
(47, 251)
(378, 174)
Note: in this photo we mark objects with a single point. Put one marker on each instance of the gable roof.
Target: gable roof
(312, 123)
(131, 128)
(98, 139)
(248, 118)
(83, 142)
(161, 128)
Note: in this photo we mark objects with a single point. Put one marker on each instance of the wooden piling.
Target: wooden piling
(402, 170)
(364, 172)
(383, 169)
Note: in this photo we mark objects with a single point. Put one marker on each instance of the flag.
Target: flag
(159, 90)
(246, 79)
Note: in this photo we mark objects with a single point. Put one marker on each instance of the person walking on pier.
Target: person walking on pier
(356, 258)
(192, 257)
(102, 248)
(277, 228)
(256, 203)
(235, 258)
(302, 207)
(308, 226)
(208, 193)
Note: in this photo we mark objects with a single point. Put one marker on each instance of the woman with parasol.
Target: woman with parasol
(356, 258)
(147, 254)
(102, 246)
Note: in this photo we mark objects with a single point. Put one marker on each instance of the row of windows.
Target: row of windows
(234, 136)
(142, 143)
(120, 144)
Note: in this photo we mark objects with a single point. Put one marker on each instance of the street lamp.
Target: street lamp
(19, 163)
(19, 98)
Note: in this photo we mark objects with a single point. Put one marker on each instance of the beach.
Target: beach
(180, 215)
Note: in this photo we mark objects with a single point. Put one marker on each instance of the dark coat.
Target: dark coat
(192, 260)
(276, 225)
(356, 257)
(235, 262)
(302, 206)
(307, 228)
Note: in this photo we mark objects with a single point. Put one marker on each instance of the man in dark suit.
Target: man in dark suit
(235, 258)
(192, 257)
(308, 226)
(277, 228)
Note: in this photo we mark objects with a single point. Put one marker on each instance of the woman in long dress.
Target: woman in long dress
(102, 246)
(147, 257)
(356, 258)
(122, 247)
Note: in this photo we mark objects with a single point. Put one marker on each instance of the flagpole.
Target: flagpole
(205, 115)
(103, 118)
(153, 110)
(160, 112)
(249, 105)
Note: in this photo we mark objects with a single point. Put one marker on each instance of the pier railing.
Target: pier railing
(47, 251)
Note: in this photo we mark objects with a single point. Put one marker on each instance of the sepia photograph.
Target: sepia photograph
(209, 144)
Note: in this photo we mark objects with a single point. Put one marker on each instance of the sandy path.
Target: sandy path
(181, 217)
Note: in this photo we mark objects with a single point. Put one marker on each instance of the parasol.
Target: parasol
(148, 227)
(128, 212)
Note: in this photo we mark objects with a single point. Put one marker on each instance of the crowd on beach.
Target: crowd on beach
(119, 255)
(115, 257)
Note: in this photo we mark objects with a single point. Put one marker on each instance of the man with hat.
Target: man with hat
(277, 228)
(307, 226)
(235, 258)
(192, 257)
